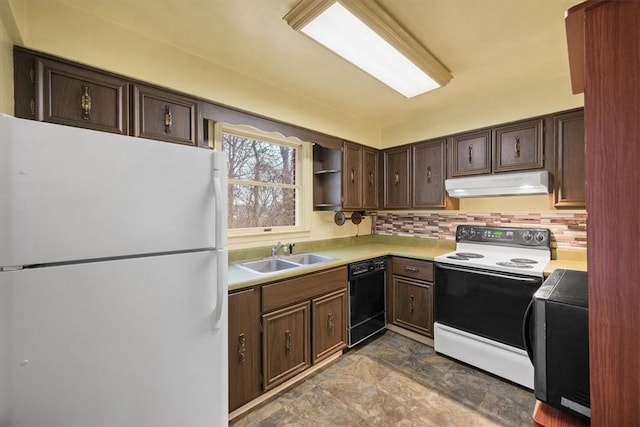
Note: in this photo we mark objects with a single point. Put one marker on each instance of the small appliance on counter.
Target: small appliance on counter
(556, 335)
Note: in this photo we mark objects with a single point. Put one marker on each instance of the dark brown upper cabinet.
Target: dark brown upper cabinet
(359, 177)
(470, 153)
(518, 146)
(570, 188)
(74, 96)
(429, 170)
(397, 172)
(165, 116)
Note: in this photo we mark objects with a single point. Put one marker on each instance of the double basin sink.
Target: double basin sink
(272, 265)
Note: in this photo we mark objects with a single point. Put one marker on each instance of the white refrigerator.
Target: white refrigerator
(112, 280)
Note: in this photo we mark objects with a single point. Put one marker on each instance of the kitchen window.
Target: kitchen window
(266, 175)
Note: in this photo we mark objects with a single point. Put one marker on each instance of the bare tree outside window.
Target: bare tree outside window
(262, 182)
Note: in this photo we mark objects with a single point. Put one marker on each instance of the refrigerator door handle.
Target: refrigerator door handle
(221, 285)
(219, 196)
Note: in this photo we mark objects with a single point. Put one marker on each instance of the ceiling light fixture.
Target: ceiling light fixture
(365, 35)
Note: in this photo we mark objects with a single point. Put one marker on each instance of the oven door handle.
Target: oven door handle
(490, 273)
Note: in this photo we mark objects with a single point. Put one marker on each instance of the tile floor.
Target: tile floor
(395, 381)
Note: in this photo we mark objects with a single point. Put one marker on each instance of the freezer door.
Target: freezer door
(73, 194)
(127, 342)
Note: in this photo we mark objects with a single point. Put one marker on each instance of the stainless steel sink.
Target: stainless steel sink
(273, 265)
(269, 265)
(308, 258)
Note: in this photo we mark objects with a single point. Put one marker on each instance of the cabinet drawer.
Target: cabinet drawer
(417, 269)
(291, 291)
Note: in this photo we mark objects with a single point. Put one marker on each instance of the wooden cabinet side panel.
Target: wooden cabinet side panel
(24, 78)
(244, 347)
(285, 343)
(570, 189)
(329, 325)
(286, 292)
(612, 129)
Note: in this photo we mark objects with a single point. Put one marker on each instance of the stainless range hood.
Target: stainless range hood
(508, 184)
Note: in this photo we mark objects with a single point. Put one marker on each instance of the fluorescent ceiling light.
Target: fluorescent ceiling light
(372, 41)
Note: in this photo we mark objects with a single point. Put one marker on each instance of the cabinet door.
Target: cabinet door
(352, 177)
(519, 146)
(570, 188)
(413, 305)
(428, 175)
(370, 179)
(470, 153)
(329, 324)
(165, 116)
(244, 347)
(74, 96)
(285, 343)
(396, 177)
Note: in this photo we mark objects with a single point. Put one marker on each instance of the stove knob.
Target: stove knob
(527, 236)
(472, 232)
(463, 231)
(540, 237)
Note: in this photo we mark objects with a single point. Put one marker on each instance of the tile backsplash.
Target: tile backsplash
(568, 230)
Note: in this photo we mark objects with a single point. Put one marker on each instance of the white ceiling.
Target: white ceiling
(489, 46)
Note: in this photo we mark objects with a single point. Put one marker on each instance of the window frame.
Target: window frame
(303, 182)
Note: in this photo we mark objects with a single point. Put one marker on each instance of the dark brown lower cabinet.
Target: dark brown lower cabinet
(285, 343)
(329, 324)
(244, 347)
(413, 305)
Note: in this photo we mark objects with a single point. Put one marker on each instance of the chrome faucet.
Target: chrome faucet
(277, 248)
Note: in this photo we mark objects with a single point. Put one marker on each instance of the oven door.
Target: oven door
(483, 302)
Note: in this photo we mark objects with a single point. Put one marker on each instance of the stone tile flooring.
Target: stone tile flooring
(395, 381)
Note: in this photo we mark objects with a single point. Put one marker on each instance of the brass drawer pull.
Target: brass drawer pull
(168, 119)
(370, 177)
(241, 348)
(85, 103)
(411, 269)
(428, 174)
(287, 341)
(353, 176)
(411, 298)
(396, 178)
(330, 324)
(516, 146)
(470, 154)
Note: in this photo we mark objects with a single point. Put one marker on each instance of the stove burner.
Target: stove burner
(524, 261)
(514, 264)
(469, 255)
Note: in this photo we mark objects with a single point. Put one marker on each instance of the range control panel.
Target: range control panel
(507, 236)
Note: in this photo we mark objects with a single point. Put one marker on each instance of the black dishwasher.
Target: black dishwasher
(367, 307)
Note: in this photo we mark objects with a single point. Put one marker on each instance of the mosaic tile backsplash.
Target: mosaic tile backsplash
(568, 230)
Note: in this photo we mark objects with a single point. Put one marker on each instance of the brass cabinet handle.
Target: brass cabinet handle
(370, 177)
(85, 103)
(470, 153)
(411, 269)
(168, 119)
(241, 348)
(287, 341)
(428, 174)
(411, 298)
(32, 106)
(330, 324)
(396, 178)
(516, 146)
(353, 176)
